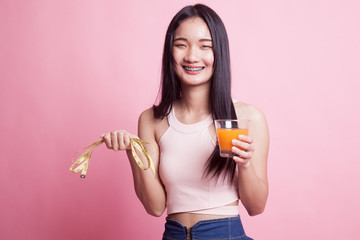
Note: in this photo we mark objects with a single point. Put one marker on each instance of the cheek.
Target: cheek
(177, 66)
(177, 56)
(177, 69)
(176, 61)
(209, 59)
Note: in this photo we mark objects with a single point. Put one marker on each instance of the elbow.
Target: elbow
(255, 206)
(255, 210)
(155, 209)
(153, 206)
(156, 212)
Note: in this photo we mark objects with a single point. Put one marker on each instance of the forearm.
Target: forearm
(148, 187)
(253, 191)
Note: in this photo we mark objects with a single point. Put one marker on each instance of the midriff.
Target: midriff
(190, 219)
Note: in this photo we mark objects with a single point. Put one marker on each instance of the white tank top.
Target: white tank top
(184, 151)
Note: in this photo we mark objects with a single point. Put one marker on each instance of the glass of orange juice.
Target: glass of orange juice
(227, 130)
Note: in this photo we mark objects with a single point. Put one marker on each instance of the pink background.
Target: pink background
(71, 70)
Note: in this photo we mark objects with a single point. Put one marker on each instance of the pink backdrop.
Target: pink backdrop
(71, 70)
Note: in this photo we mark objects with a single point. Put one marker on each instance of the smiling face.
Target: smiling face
(193, 53)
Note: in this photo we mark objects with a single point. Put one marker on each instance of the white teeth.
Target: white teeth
(193, 69)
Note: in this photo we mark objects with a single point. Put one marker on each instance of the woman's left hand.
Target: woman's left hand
(243, 147)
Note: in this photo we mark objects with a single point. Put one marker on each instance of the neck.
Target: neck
(195, 100)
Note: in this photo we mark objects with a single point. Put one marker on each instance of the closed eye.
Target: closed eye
(179, 45)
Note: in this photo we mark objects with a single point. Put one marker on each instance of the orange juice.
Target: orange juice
(225, 137)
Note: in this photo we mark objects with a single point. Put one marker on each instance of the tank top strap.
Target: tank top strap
(188, 128)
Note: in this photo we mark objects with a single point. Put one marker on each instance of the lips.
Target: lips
(193, 69)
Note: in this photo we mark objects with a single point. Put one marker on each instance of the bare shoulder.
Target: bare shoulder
(147, 116)
(258, 131)
(248, 111)
(149, 125)
(147, 120)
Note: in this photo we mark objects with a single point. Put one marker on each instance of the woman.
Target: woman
(200, 190)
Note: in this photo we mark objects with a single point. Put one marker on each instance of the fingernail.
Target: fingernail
(233, 141)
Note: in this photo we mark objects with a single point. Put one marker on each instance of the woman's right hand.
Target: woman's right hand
(117, 140)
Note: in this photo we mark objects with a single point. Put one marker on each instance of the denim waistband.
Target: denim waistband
(222, 228)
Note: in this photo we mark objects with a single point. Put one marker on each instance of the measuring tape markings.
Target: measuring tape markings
(82, 161)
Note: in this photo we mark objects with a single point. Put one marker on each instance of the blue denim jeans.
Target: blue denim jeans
(219, 229)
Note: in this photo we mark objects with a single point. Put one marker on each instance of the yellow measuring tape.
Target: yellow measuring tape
(82, 162)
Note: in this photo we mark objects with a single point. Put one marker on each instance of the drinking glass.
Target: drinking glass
(227, 130)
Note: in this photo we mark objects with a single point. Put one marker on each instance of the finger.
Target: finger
(124, 140)
(241, 153)
(107, 140)
(241, 162)
(245, 138)
(251, 148)
(102, 135)
(242, 145)
(121, 141)
(127, 141)
(114, 141)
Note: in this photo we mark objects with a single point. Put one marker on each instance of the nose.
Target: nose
(192, 55)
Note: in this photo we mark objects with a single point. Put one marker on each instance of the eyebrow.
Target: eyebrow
(201, 40)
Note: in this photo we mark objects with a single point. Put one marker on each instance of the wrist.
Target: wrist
(244, 165)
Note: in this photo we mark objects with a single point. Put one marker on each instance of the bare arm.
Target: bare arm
(148, 187)
(252, 161)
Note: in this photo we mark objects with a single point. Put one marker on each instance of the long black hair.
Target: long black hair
(221, 104)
